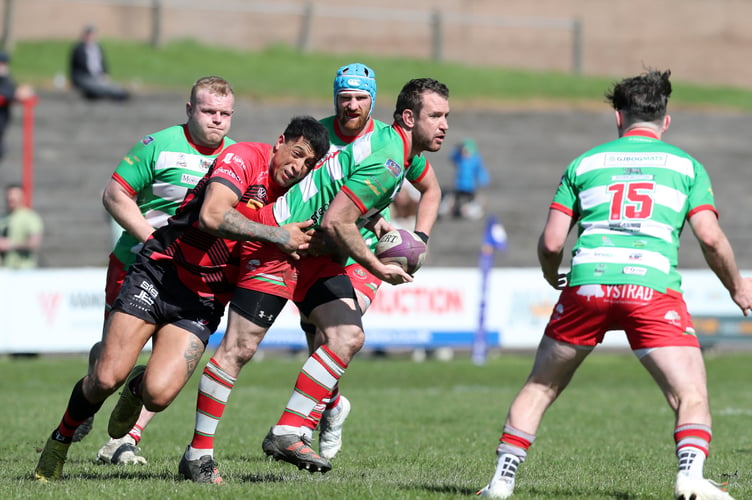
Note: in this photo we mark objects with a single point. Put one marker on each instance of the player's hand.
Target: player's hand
(299, 238)
(379, 225)
(321, 244)
(743, 296)
(392, 274)
(558, 280)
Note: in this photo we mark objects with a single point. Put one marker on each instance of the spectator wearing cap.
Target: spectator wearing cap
(9, 94)
(89, 72)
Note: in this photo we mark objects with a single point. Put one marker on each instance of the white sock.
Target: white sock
(691, 461)
(281, 430)
(506, 468)
(192, 453)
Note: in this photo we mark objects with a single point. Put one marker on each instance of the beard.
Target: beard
(425, 143)
(351, 124)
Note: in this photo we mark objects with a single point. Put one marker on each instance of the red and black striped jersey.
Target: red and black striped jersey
(205, 263)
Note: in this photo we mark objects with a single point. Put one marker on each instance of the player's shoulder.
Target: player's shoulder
(328, 121)
(246, 155)
(169, 134)
(248, 147)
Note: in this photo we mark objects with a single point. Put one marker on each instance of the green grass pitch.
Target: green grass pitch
(417, 431)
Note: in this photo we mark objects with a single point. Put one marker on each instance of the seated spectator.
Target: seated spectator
(10, 93)
(88, 70)
(20, 231)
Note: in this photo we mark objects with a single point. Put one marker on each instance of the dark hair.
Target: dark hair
(410, 95)
(642, 98)
(312, 130)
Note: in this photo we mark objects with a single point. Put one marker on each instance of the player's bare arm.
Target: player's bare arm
(379, 226)
(339, 223)
(218, 216)
(430, 199)
(551, 247)
(122, 206)
(720, 257)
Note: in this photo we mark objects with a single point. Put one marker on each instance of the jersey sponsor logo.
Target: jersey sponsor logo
(146, 295)
(268, 317)
(233, 159)
(147, 140)
(318, 214)
(205, 163)
(258, 196)
(629, 292)
(632, 177)
(616, 159)
(143, 297)
(189, 179)
(377, 190)
(590, 291)
(228, 173)
(673, 317)
(625, 226)
(635, 271)
(181, 161)
(394, 168)
(254, 204)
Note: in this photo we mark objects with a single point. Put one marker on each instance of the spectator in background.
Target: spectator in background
(9, 93)
(470, 175)
(88, 70)
(20, 231)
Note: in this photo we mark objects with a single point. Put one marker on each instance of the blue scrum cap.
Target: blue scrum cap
(355, 76)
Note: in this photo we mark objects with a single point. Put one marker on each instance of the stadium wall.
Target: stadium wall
(701, 41)
(61, 311)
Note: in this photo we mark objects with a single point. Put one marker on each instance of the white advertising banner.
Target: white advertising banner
(61, 310)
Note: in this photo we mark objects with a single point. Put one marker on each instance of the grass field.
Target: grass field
(417, 431)
(281, 72)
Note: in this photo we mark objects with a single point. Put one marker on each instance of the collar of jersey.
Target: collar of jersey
(641, 132)
(403, 136)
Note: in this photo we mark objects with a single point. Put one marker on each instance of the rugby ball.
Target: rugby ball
(402, 247)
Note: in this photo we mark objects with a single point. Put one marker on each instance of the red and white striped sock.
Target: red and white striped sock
(317, 378)
(214, 390)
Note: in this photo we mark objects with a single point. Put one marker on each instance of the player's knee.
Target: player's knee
(239, 347)
(103, 383)
(157, 401)
(94, 353)
(348, 337)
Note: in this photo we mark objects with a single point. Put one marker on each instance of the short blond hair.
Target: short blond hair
(214, 84)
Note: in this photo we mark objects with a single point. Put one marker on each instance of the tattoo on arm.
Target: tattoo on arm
(235, 226)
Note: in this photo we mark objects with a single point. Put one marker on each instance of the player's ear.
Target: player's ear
(280, 141)
(666, 123)
(619, 119)
(408, 118)
(188, 109)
